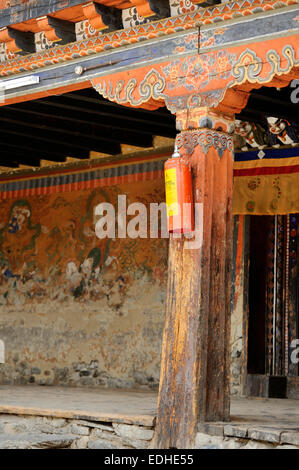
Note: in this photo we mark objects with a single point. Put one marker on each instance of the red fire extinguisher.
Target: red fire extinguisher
(179, 198)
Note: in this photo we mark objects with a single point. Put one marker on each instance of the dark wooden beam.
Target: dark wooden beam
(19, 42)
(12, 148)
(111, 17)
(161, 8)
(63, 104)
(99, 108)
(7, 161)
(89, 95)
(57, 30)
(44, 147)
(206, 3)
(14, 158)
(62, 140)
(108, 121)
(103, 18)
(89, 133)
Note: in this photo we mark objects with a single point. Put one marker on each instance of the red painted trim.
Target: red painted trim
(282, 170)
(92, 184)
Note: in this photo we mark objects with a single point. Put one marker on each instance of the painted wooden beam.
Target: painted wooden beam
(17, 41)
(34, 9)
(281, 22)
(206, 3)
(102, 17)
(57, 30)
(148, 8)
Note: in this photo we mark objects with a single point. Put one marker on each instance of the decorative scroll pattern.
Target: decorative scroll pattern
(41, 42)
(84, 30)
(179, 7)
(179, 103)
(183, 84)
(187, 72)
(132, 92)
(205, 139)
(249, 66)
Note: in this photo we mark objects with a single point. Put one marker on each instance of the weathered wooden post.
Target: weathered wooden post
(194, 383)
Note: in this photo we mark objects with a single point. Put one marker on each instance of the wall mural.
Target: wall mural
(77, 310)
(48, 247)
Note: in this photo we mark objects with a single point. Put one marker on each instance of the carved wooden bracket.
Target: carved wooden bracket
(206, 3)
(57, 30)
(102, 17)
(219, 79)
(147, 88)
(17, 41)
(159, 8)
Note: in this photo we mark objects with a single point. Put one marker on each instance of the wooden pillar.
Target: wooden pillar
(194, 381)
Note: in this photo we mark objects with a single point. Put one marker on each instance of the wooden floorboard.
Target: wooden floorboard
(134, 406)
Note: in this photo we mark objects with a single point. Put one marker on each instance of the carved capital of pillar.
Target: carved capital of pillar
(206, 140)
(205, 128)
(214, 109)
(209, 118)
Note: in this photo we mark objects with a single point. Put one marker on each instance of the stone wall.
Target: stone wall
(74, 309)
(43, 432)
(24, 432)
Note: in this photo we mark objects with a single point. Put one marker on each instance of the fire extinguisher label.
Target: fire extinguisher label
(171, 191)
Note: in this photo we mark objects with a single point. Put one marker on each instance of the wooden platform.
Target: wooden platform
(135, 406)
(119, 406)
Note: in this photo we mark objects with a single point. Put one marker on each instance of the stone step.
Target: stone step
(36, 441)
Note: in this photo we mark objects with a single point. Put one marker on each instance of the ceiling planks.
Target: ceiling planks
(63, 126)
(74, 124)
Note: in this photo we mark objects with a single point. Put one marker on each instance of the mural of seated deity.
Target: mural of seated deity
(249, 135)
(281, 132)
